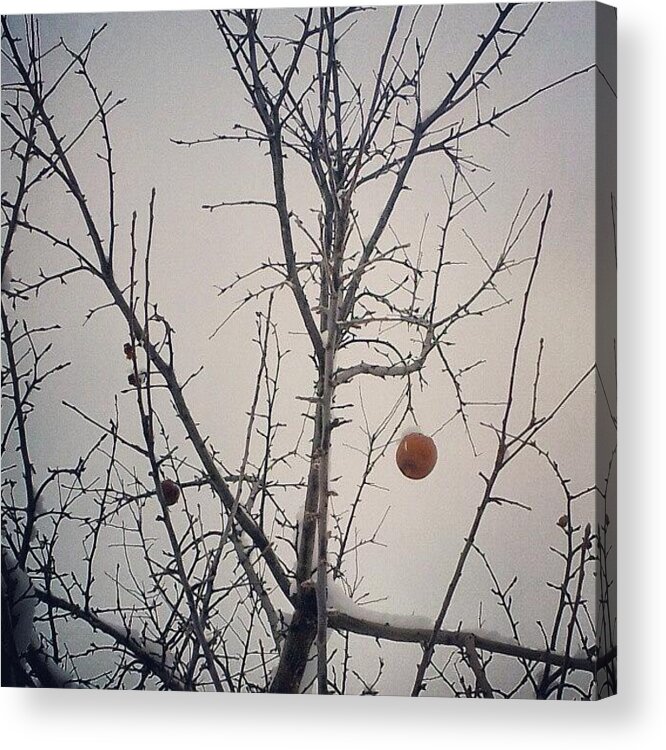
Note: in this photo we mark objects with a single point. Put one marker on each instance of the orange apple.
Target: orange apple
(416, 455)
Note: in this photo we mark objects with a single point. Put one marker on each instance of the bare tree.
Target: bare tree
(246, 597)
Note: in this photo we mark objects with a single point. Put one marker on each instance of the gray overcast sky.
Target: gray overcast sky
(174, 72)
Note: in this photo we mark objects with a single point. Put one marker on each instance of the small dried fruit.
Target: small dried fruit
(132, 379)
(129, 351)
(170, 492)
(563, 522)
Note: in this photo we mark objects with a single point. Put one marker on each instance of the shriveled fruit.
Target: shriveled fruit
(170, 491)
(133, 381)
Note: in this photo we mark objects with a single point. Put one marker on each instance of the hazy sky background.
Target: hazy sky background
(176, 76)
